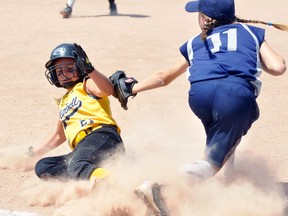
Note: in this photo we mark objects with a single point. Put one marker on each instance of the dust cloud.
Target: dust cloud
(249, 189)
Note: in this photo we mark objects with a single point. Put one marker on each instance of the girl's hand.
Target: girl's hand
(82, 60)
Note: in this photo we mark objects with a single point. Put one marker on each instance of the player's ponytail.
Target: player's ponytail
(275, 25)
(212, 23)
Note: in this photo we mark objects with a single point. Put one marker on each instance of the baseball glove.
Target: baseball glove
(122, 87)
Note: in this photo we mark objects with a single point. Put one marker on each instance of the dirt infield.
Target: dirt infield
(159, 130)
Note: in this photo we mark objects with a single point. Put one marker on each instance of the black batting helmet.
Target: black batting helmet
(65, 50)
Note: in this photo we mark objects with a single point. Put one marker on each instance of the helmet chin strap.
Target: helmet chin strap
(70, 84)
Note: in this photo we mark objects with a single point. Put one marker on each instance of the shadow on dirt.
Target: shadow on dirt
(117, 15)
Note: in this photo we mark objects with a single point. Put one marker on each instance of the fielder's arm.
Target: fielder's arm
(161, 78)
(271, 61)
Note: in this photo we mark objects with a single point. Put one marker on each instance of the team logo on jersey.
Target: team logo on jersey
(59, 51)
(70, 109)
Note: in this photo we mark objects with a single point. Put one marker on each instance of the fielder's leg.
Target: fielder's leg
(113, 8)
(150, 193)
(67, 11)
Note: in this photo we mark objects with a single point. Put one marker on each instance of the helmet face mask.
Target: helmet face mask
(67, 51)
(68, 71)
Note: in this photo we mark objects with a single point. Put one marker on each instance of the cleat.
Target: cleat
(113, 9)
(150, 193)
(66, 12)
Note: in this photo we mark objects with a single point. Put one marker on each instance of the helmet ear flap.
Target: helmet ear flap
(80, 72)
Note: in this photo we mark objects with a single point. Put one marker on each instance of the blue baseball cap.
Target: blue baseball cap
(222, 10)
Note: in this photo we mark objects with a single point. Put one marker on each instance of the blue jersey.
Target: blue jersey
(228, 50)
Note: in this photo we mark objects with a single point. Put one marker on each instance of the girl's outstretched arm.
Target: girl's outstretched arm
(161, 78)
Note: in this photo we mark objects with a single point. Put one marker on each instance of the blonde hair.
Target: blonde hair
(212, 23)
(57, 101)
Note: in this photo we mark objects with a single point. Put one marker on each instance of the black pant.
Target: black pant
(88, 155)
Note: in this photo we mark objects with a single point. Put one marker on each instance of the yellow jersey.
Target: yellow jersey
(80, 111)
